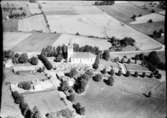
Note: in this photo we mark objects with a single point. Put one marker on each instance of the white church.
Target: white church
(86, 58)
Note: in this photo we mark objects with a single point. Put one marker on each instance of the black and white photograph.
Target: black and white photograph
(83, 59)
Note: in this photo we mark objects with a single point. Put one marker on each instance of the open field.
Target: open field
(10, 25)
(103, 26)
(11, 39)
(101, 100)
(36, 42)
(33, 23)
(45, 101)
(82, 41)
(123, 11)
(144, 19)
(8, 107)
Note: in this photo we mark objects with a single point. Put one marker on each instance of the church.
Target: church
(86, 58)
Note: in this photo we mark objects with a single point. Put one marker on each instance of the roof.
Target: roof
(83, 55)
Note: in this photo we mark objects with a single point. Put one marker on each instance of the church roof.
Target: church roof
(83, 55)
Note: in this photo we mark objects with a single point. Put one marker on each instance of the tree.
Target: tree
(8, 54)
(72, 73)
(63, 86)
(110, 81)
(111, 72)
(158, 76)
(96, 63)
(133, 17)
(36, 113)
(25, 85)
(128, 61)
(106, 55)
(143, 74)
(34, 60)
(58, 58)
(103, 71)
(71, 97)
(79, 109)
(23, 58)
(119, 73)
(127, 74)
(18, 98)
(136, 74)
(151, 75)
(97, 77)
(150, 21)
(45, 61)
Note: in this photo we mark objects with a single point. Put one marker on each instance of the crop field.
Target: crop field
(118, 101)
(33, 23)
(10, 25)
(123, 11)
(103, 26)
(36, 42)
(82, 41)
(45, 101)
(11, 39)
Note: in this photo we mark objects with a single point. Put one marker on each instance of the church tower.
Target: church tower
(69, 50)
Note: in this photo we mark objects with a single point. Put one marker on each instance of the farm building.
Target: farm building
(86, 58)
(24, 68)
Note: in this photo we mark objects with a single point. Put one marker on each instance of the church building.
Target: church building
(86, 58)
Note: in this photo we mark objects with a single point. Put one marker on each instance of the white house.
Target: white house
(86, 58)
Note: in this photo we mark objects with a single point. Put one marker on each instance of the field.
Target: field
(144, 19)
(123, 11)
(11, 39)
(8, 107)
(82, 41)
(36, 42)
(45, 101)
(124, 100)
(33, 23)
(10, 25)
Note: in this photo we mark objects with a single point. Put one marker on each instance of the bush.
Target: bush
(40, 70)
(36, 113)
(104, 71)
(152, 11)
(45, 61)
(25, 85)
(8, 54)
(79, 109)
(111, 72)
(97, 77)
(63, 86)
(150, 21)
(128, 61)
(133, 17)
(151, 75)
(143, 74)
(58, 58)
(158, 76)
(72, 73)
(89, 73)
(24, 107)
(119, 73)
(96, 63)
(110, 81)
(23, 58)
(106, 55)
(71, 97)
(136, 74)
(18, 98)
(127, 74)
(34, 60)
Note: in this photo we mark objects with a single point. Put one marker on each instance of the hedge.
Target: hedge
(45, 61)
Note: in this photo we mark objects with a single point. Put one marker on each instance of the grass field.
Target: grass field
(102, 101)
(36, 42)
(10, 25)
(33, 23)
(11, 39)
(46, 101)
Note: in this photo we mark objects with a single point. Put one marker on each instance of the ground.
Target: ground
(118, 101)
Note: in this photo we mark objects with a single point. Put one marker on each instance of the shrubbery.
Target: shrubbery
(106, 55)
(110, 81)
(18, 98)
(25, 85)
(79, 109)
(23, 58)
(97, 77)
(33, 60)
(72, 73)
(71, 97)
(96, 63)
(45, 61)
